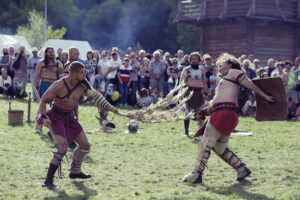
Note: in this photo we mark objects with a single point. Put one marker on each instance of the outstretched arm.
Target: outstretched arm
(98, 98)
(245, 81)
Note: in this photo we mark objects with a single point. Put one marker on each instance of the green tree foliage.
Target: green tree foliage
(34, 30)
(104, 23)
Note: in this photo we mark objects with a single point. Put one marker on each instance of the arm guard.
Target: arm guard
(99, 100)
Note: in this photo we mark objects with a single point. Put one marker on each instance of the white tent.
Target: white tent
(14, 41)
(83, 46)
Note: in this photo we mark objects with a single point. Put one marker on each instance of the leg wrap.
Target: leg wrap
(209, 139)
(59, 156)
(79, 155)
(231, 158)
(99, 100)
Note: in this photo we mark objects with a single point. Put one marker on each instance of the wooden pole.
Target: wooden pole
(29, 108)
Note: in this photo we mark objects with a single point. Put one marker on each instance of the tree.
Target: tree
(34, 30)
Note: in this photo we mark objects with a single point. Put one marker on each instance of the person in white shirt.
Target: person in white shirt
(5, 84)
(103, 70)
(114, 65)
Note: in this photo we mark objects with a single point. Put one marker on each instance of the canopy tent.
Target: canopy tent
(83, 46)
(14, 41)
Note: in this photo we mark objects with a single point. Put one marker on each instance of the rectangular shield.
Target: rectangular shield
(267, 111)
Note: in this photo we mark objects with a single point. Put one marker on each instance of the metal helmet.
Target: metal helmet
(108, 126)
(133, 126)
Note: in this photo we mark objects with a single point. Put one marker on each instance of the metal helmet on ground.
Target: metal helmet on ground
(133, 126)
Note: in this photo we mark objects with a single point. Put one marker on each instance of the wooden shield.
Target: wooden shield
(267, 111)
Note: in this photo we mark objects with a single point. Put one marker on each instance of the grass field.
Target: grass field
(150, 164)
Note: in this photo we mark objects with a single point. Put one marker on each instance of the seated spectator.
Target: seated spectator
(145, 100)
(19, 85)
(249, 108)
(112, 96)
(5, 84)
(155, 95)
(213, 79)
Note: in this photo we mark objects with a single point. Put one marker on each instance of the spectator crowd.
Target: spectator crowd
(139, 78)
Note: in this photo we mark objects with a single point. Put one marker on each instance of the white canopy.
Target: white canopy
(14, 41)
(83, 46)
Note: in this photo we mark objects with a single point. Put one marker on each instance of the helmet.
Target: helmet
(133, 126)
(108, 126)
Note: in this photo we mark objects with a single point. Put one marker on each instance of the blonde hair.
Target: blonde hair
(230, 59)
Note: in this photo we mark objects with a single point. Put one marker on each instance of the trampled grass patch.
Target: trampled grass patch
(150, 164)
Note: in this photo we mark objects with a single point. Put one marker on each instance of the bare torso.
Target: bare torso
(68, 102)
(226, 91)
(49, 72)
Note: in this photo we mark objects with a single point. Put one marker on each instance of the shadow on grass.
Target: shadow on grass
(238, 189)
(87, 193)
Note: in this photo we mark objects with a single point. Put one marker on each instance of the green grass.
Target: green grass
(150, 164)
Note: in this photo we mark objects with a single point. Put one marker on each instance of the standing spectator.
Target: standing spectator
(249, 72)
(19, 85)
(297, 64)
(186, 61)
(144, 74)
(5, 60)
(64, 58)
(21, 61)
(242, 58)
(249, 108)
(167, 59)
(271, 67)
(90, 67)
(142, 55)
(261, 73)
(103, 71)
(245, 92)
(209, 66)
(251, 58)
(11, 52)
(32, 62)
(114, 64)
(291, 91)
(256, 64)
(280, 73)
(173, 75)
(6, 84)
(59, 54)
(145, 100)
(157, 70)
(213, 79)
(12, 56)
(124, 80)
(134, 64)
(180, 55)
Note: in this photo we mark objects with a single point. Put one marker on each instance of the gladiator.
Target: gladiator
(63, 123)
(223, 119)
(194, 77)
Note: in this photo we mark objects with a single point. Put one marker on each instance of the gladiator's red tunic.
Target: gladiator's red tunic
(224, 119)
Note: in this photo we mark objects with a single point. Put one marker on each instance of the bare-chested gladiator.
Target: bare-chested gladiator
(62, 122)
(223, 119)
(48, 70)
